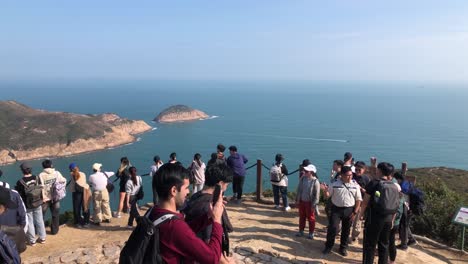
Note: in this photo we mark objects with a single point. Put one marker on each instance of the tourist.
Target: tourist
(379, 217)
(7, 204)
(80, 196)
(101, 204)
(154, 168)
(123, 174)
(33, 206)
(279, 182)
(173, 158)
(48, 177)
(220, 148)
(178, 243)
(200, 203)
(307, 197)
(132, 188)
(336, 170)
(360, 178)
(348, 161)
(197, 170)
(304, 163)
(345, 197)
(157, 164)
(392, 249)
(213, 159)
(236, 162)
(405, 234)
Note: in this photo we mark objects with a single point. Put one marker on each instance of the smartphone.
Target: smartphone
(216, 193)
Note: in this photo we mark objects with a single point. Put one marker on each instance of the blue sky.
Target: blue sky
(235, 40)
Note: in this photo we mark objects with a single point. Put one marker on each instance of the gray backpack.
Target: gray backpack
(386, 198)
(275, 173)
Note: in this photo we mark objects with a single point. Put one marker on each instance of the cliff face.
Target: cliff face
(30, 134)
(179, 113)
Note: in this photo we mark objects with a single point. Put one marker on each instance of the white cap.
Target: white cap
(97, 166)
(310, 167)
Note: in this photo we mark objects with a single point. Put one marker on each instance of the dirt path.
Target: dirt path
(258, 228)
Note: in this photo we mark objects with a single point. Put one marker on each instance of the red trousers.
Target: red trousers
(306, 212)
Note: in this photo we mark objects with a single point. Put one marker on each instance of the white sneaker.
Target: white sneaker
(287, 209)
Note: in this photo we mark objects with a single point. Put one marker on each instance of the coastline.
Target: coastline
(119, 136)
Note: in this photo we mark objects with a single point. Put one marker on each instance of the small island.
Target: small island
(29, 133)
(179, 113)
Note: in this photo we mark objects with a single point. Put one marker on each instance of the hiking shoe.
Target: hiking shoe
(326, 251)
(86, 225)
(300, 234)
(402, 247)
(41, 241)
(310, 236)
(287, 208)
(343, 252)
(106, 221)
(79, 226)
(96, 223)
(32, 244)
(277, 207)
(412, 242)
(129, 227)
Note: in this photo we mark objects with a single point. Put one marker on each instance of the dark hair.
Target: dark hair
(173, 156)
(214, 156)
(386, 168)
(46, 164)
(133, 175)
(221, 147)
(124, 160)
(233, 148)
(279, 158)
(399, 176)
(197, 158)
(347, 156)
(339, 163)
(156, 158)
(25, 171)
(345, 170)
(168, 176)
(218, 172)
(361, 164)
(1, 173)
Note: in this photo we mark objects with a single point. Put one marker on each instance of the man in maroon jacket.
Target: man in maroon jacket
(178, 243)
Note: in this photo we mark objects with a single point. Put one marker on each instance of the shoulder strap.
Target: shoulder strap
(105, 174)
(163, 218)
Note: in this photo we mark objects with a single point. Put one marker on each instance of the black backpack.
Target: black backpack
(386, 198)
(416, 201)
(8, 251)
(143, 244)
(33, 194)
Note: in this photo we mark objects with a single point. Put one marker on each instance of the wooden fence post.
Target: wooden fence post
(259, 180)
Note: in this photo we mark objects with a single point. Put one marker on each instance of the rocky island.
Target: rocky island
(179, 113)
(28, 133)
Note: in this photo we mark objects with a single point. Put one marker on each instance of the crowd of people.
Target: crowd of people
(197, 229)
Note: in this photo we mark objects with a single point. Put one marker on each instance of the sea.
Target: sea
(423, 124)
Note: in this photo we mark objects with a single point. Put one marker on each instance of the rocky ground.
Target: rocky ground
(262, 235)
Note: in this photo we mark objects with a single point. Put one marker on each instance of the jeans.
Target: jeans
(133, 210)
(55, 211)
(78, 208)
(306, 212)
(376, 231)
(35, 224)
(237, 185)
(284, 194)
(339, 215)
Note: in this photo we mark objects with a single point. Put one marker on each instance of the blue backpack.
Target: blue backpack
(416, 201)
(8, 252)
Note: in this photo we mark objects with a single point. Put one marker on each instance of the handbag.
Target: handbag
(110, 186)
(140, 194)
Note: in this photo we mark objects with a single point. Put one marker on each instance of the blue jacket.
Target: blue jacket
(236, 163)
(13, 217)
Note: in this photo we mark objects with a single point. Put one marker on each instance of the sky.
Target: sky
(235, 40)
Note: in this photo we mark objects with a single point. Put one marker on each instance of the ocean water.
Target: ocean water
(424, 125)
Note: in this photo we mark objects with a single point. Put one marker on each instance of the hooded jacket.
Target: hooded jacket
(48, 177)
(236, 163)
